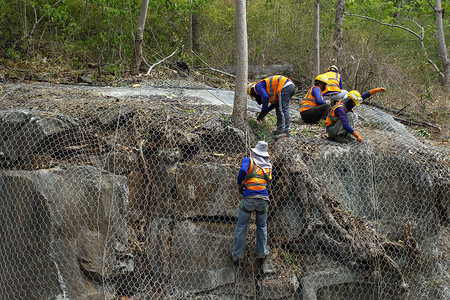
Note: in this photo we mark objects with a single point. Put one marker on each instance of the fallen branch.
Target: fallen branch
(389, 109)
(151, 68)
(212, 69)
(416, 123)
(400, 112)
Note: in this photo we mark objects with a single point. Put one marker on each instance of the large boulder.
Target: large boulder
(25, 132)
(64, 225)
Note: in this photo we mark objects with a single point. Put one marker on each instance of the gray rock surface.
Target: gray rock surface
(162, 225)
(29, 131)
(59, 226)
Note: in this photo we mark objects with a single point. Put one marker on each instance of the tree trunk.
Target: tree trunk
(240, 92)
(194, 31)
(442, 47)
(338, 32)
(137, 58)
(316, 67)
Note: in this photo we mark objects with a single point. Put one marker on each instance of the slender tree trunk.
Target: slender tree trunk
(137, 58)
(316, 67)
(194, 31)
(240, 92)
(338, 32)
(442, 46)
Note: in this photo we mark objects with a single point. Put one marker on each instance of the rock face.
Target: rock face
(140, 202)
(58, 228)
(28, 131)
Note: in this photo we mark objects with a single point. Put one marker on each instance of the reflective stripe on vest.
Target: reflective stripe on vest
(333, 82)
(274, 85)
(332, 118)
(257, 178)
(309, 101)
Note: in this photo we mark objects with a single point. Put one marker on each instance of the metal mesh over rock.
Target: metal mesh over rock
(130, 193)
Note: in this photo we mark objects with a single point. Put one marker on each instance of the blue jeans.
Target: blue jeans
(282, 108)
(240, 233)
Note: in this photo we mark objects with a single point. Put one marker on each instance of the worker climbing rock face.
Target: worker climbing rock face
(274, 92)
(341, 119)
(334, 92)
(313, 107)
(253, 178)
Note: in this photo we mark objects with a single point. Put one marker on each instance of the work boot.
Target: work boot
(269, 265)
(277, 132)
(280, 134)
(341, 139)
(235, 260)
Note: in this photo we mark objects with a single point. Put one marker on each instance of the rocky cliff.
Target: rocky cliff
(110, 193)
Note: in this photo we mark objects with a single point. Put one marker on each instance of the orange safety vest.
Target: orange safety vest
(332, 118)
(309, 101)
(274, 85)
(333, 82)
(257, 178)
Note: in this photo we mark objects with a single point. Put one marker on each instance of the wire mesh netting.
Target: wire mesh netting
(121, 194)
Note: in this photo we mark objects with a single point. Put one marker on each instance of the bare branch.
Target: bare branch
(382, 23)
(151, 68)
(212, 69)
(420, 37)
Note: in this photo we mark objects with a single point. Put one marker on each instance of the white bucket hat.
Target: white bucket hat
(261, 149)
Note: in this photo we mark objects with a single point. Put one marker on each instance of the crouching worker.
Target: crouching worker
(314, 108)
(334, 91)
(342, 119)
(254, 176)
(274, 92)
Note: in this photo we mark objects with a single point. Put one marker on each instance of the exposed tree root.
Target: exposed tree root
(335, 233)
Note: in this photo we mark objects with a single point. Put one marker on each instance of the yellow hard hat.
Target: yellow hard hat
(355, 96)
(249, 88)
(322, 77)
(333, 68)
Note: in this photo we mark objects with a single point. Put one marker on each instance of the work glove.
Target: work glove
(377, 90)
(261, 116)
(357, 136)
(241, 189)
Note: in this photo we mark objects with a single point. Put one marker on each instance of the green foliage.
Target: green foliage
(423, 132)
(13, 54)
(428, 94)
(225, 118)
(291, 260)
(263, 130)
(307, 133)
(102, 31)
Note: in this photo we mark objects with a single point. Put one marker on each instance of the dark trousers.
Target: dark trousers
(316, 113)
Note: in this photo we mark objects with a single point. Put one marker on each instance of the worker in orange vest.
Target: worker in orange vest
(341, 119)
(254, 177)
(313, 107)
(274, 92)
(334, 91)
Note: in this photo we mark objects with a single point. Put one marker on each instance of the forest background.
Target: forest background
(56, 39)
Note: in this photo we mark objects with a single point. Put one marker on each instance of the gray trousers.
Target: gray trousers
(334, 98)
(338, 129)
